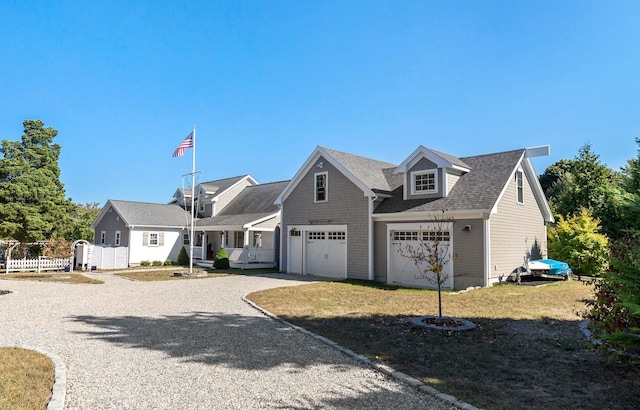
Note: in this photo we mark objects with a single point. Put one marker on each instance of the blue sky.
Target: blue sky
(265, 82)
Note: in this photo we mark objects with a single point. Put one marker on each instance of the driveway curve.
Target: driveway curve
(189, 344)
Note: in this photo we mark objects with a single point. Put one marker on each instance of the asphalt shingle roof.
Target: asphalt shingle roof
(478, 189)
(369, 171)
(253, 203)
(221, 185)
(454, 160)
(150, 214)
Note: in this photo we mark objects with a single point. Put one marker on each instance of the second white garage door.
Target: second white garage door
(402, 270)
(326, 253)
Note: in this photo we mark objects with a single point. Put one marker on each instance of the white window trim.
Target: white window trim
(157, 238)
(414, 174)
(519, 188)
(326, 186)
(103, 237)
(117, 238)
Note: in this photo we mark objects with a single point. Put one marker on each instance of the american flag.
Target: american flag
(187, 143)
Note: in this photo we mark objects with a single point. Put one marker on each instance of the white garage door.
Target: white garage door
(326, 253)
(403, 270)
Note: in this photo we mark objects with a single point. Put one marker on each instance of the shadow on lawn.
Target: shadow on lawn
(504, 363)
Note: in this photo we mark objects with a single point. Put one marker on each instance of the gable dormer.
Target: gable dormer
(428, 173)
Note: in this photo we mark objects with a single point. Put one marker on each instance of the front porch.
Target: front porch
(241, 258)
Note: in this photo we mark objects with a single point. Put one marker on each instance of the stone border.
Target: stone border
(59, 391)
(390, 371)
(466, 324)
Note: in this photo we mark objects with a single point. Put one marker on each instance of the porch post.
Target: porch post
(203, 247)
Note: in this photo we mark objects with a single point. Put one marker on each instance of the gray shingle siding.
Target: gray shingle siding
(346, 204)
(516, 230)
(111, 223)
(380, 251)
(468, 264)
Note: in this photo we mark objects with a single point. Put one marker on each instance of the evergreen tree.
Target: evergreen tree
(571, 185)
(32, 198)
(631, 173)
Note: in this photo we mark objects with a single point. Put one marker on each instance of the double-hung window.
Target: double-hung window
(117, 238)
(320, 187)
(520, 187)
(153, 239)
(103, 238)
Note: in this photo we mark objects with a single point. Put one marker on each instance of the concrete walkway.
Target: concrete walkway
(189, 344)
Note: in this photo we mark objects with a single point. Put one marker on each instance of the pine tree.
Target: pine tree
(32, 198)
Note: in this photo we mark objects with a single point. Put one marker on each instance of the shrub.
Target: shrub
(145, 263)
(221, 261)
(614, 313)
(168, 262)
(156, 263)
(183, 257)
(578, 242)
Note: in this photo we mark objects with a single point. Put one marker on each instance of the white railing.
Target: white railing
(235, 254)
(252, 255)
(38, 265)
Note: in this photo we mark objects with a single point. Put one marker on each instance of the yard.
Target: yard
(527, 351)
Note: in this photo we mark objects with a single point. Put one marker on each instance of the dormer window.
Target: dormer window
(424, 182)
(320, 187)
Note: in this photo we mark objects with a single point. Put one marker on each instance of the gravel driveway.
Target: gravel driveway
(190, 344)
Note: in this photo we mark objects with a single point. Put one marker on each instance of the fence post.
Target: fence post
(38, 268)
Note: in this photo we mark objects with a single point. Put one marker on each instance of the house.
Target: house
(235, 213)
(346, 216)
(247, 227)
(134, 232)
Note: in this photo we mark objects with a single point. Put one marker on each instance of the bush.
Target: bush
(578, 242)
(145, 263)
(156, 263)
(221, 261)
(183, 257)
(614, 313)
(168, 262)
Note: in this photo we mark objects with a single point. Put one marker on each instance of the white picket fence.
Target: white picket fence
(37, 265)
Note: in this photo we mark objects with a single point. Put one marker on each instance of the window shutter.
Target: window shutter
(161, 239)
(145, 239)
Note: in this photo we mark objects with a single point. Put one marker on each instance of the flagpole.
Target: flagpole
(193, 191)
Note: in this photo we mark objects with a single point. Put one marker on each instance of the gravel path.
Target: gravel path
(191, 344)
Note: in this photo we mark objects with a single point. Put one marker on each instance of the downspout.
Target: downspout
(370, 234)
(283, 232)
(131, 228)
(487, 249)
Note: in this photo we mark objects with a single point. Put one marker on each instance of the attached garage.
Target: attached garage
(318, 250)
(402, 270)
